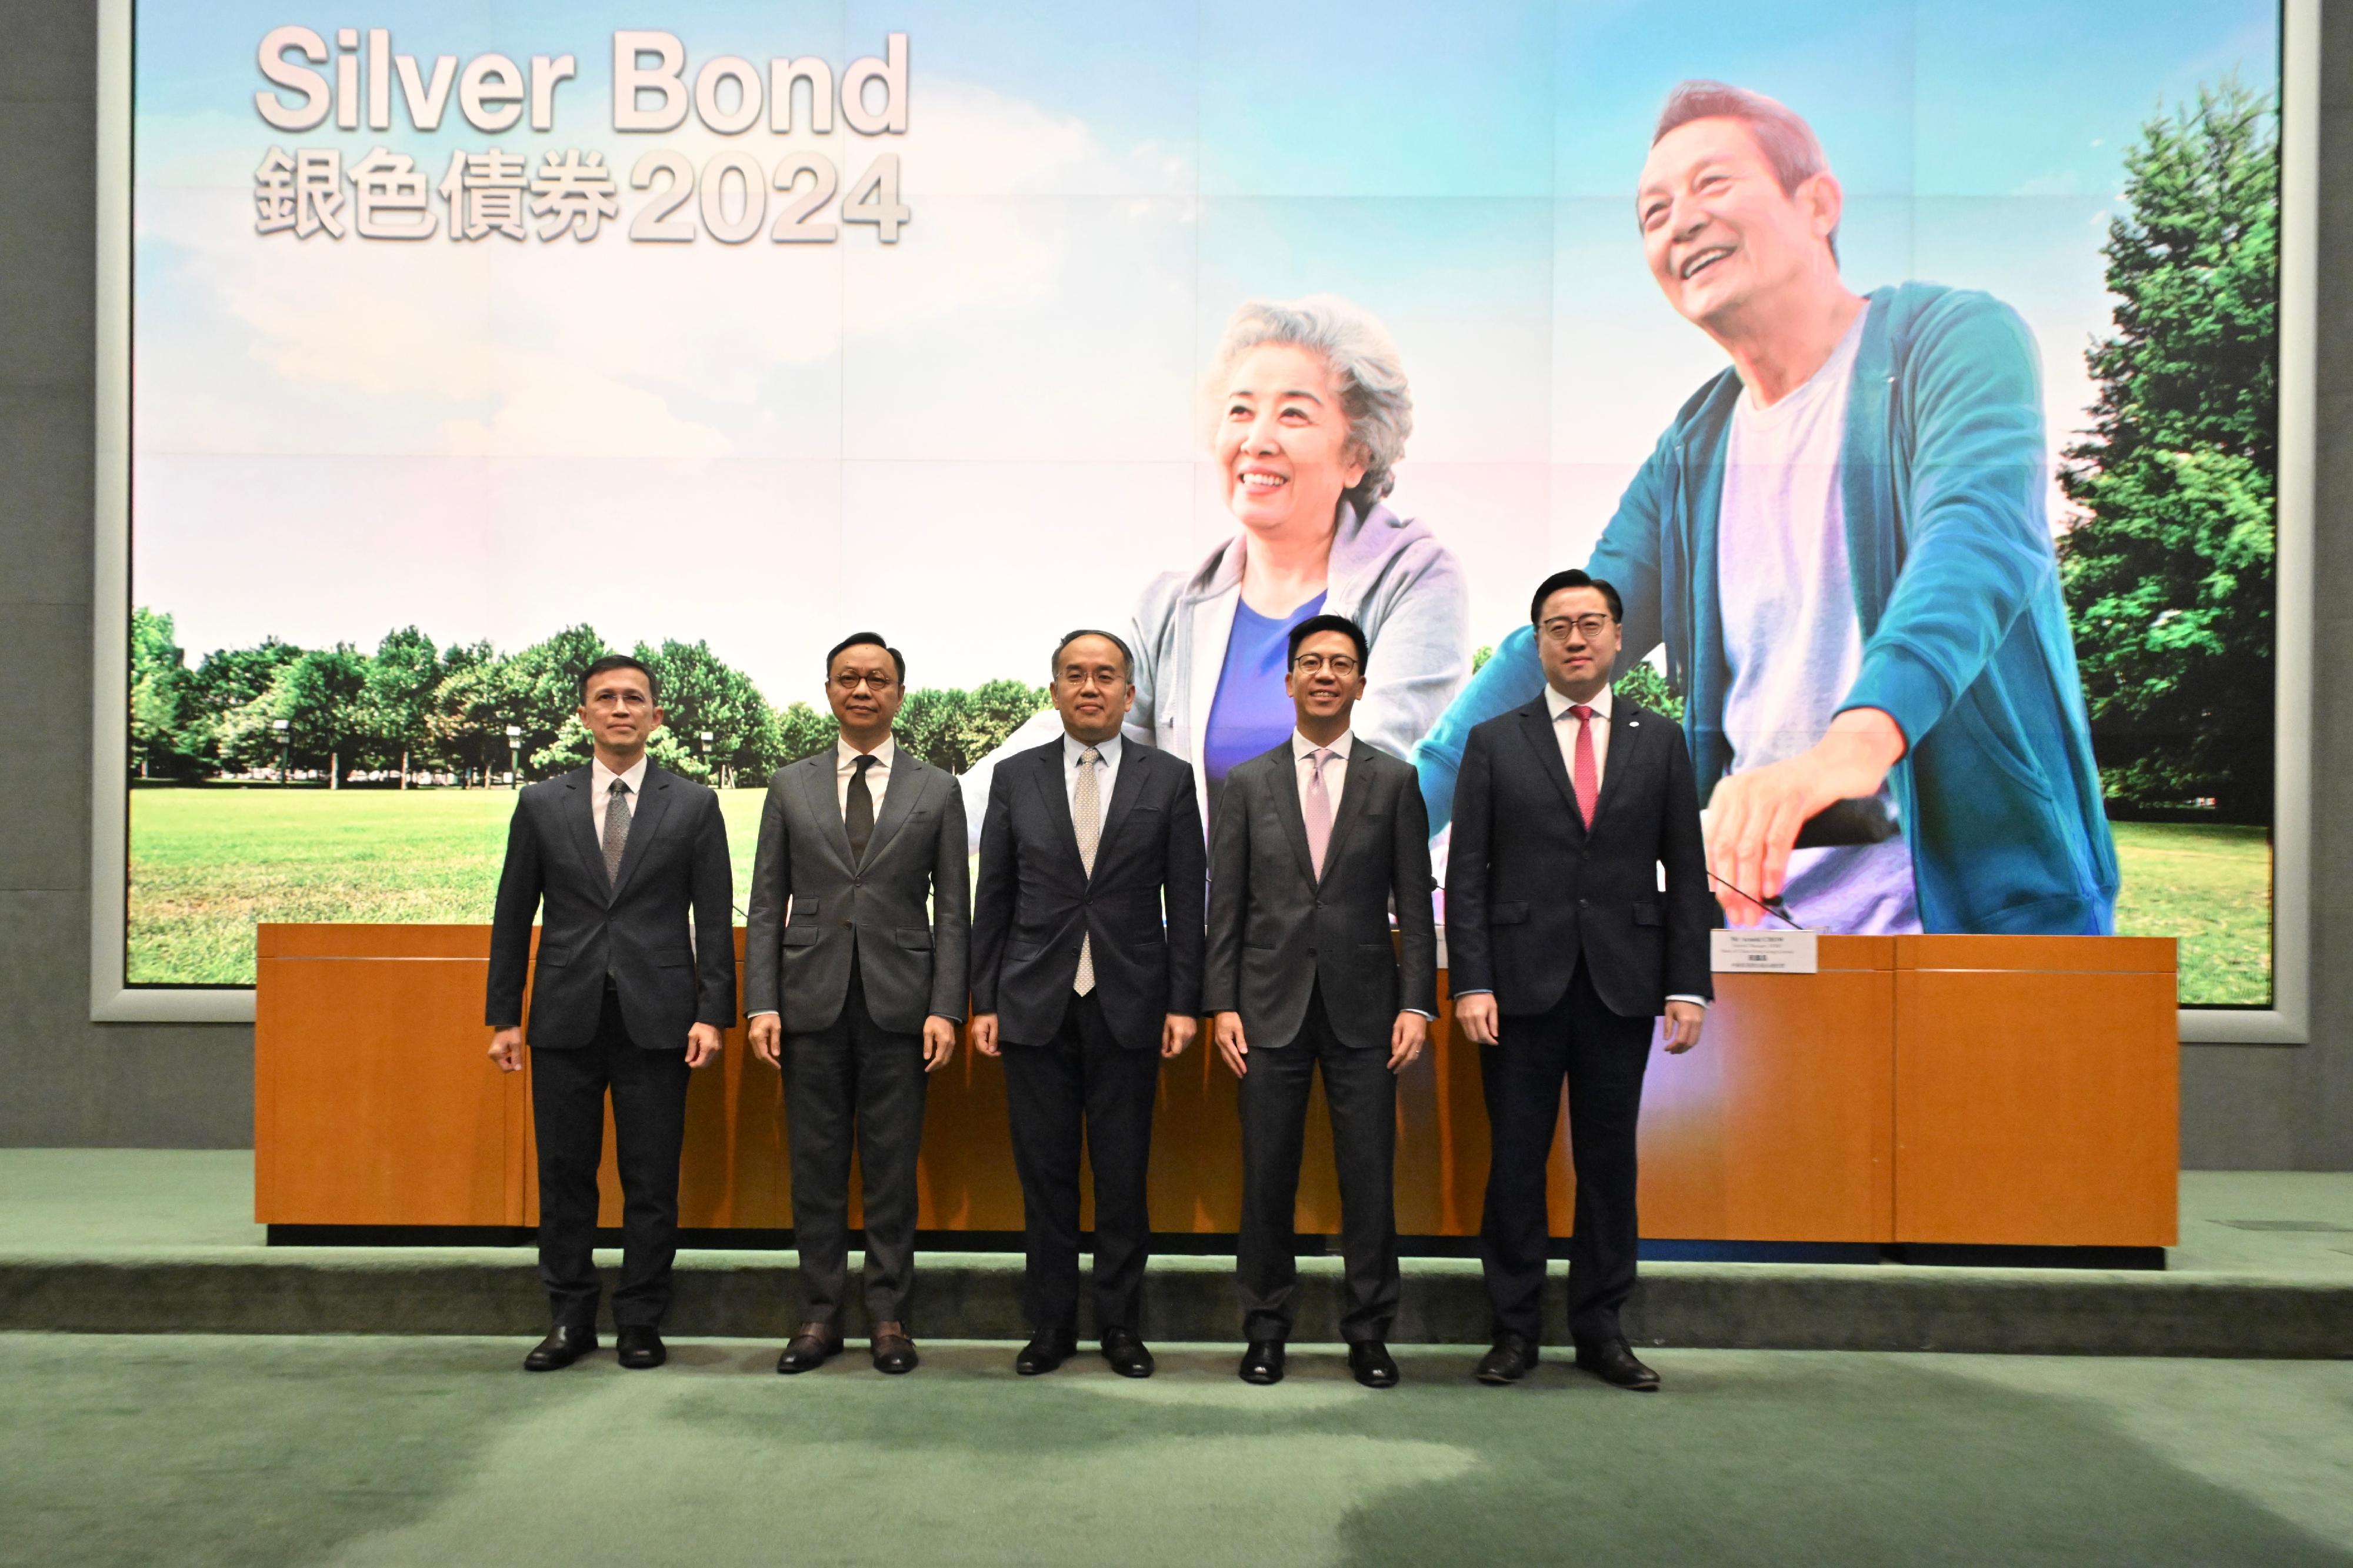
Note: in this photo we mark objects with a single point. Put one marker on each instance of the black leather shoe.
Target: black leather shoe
(893, 1352)
(1263, 1362)
(1044, 1352)
(1374, 1366)
(562, 1346)
(1509, 1360)
(1612, 1361)
(1127, 1353)
(639, 1348)
(810, 1348)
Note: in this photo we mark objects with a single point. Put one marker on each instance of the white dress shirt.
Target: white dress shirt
(845, 768)
(600, 790)
(1106, 773)
(1335, 766)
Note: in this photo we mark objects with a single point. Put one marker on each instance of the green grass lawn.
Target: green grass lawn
(207, 864)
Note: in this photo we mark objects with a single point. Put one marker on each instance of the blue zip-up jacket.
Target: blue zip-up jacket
(1966, 643)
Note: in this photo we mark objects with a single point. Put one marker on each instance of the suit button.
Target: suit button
(849, 925)
(1581, 903)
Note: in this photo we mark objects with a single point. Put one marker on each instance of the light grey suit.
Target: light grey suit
(854, 972)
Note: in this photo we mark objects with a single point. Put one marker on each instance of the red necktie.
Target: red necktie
(1587, 777)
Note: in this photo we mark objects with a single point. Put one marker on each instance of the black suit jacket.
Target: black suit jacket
(1529, 888)
(1143, 907)
(1276, 930)
(635, 928)
(903, 909)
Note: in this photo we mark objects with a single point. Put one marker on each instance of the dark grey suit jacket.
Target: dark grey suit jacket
(634, 927)
(912, 959)
(1529, 887)
(1035, 900)
(1276, 932)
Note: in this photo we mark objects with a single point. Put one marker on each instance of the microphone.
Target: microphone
(1773, 907)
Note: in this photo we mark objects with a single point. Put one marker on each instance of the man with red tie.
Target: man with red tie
(1564, 946)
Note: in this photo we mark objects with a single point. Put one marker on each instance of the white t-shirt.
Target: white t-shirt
(1790, 635)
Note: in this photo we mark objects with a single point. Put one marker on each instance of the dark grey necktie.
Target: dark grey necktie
(617, 828)
(858, 815)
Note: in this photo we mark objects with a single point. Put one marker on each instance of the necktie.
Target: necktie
(1588, 774)
(858, 815)
(1086, 819)
(617, 828)
(1317, 808)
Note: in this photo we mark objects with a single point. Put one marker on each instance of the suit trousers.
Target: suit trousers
(567, 1111)
(1603, 1057)
(1361, 1094)
(854, 1083)
(1082, 1084)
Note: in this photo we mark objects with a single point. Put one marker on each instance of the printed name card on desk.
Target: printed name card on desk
(1761, 952)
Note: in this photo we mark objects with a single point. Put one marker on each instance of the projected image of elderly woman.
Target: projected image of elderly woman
(1307, 415)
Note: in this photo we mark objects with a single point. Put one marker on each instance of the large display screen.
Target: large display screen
(471, 340)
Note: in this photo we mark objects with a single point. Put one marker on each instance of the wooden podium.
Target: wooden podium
(1956, 1089)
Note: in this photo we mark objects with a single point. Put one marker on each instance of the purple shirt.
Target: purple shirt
(1252, 712)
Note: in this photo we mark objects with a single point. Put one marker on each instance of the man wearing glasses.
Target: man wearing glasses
(854, 987)
(1564, 945)
(1315, 840)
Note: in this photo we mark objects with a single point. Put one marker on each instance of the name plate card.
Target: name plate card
(1761, 952)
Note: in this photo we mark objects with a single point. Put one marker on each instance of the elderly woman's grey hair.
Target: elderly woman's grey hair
(1361, 357)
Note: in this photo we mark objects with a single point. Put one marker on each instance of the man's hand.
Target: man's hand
(1226, 1028)
(1177, 1032)
(1475, 1016)
(1679, 1030)
(939, 1042)
(1754, 817)
(506, 1048)
(1407, 1037)
(983, 1034)
(701, 1044)
(768, 1036)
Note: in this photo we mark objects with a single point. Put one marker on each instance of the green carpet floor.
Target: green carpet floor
(189, 1451)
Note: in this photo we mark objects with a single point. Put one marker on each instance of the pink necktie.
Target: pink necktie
(1318, 809)
(1587, 778)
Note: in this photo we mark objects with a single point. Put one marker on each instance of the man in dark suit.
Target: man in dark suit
(858, 996)
(1563, 949)
(1315, 841)
(635, 981)
(1086, 956)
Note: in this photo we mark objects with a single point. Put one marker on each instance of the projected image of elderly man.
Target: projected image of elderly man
(1842, 543)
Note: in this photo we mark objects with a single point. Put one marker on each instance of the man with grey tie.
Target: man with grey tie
(624, 865)
(1315, 841)
(854, 980)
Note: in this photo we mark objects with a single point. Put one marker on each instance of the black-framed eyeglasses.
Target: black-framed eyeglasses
(1586, 627)
(1339, 664)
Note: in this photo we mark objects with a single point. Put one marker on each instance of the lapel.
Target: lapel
(579, 809)
(643, 824)
(1622, 744)
(1048, 776)
(1292, 812)
(1132, 768)
(1352, 801)
(898, 800)
(1537, 725)
(821, 777)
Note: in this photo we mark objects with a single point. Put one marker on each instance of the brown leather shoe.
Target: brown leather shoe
(809, 1349)
(894, 1351)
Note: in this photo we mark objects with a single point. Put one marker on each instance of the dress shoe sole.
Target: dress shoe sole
(1499, 1379)
(1377, 1380)
(643, 1362)
(1641, 1385)
(549, 1365)
(1261, 1379)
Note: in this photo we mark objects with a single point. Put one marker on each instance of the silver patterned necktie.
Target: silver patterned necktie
(617, 828)
(1086, 819)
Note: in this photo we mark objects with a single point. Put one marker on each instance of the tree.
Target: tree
(700, 692)
(2168, 572)
(541, 690)
(796, 731)
(323, 697)
(467, 724)
(162, 697)
(401, 679)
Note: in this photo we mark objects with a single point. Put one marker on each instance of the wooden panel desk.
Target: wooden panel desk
(376, 1105)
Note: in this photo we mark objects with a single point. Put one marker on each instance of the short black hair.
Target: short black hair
(1573, 578)
(1314, 624)
(1126, 657)
(613, 661)
(858, 639)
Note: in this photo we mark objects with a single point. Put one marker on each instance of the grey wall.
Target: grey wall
(65, 1080)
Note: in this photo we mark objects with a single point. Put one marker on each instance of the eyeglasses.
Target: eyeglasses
(1339, 664)
(849, 682)
(1586, 627)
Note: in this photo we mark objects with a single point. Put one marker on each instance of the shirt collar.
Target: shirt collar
(1072, 746)
(845, 755)
(1302, 748)
(1558, 704)
(602, 776)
